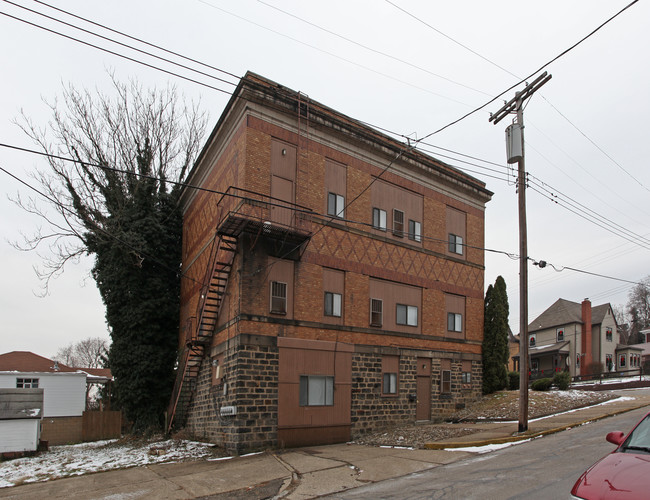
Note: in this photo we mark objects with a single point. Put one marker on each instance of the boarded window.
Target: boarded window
(376, 312)
(278, 297)
(316, 390)
(398, 223)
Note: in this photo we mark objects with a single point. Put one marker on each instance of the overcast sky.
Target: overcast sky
(410, 67)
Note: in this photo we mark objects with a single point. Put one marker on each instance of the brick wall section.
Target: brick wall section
(251, 379)
(62, 430)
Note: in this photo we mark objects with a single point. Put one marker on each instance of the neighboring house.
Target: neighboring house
(644, 346)
(513, 349)
(64, 392)
(575, 337)
(335, 288)
(21, 411)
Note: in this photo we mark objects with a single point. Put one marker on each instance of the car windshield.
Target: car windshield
(639, 439)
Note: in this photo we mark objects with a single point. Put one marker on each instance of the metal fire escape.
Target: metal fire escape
(284, 227)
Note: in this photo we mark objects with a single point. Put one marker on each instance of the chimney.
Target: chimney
(586, 348)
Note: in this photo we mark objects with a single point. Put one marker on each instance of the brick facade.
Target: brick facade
(261, 143)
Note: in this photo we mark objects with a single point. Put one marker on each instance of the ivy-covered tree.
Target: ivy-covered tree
(495, 338)
(114, 201)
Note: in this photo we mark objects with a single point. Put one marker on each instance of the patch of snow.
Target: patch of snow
(487, 448)
(74, 460)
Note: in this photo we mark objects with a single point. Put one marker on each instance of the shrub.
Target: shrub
(562, 380)
(513, 381)
(542, 384)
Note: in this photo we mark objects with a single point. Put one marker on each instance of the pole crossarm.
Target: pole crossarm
(511, 105)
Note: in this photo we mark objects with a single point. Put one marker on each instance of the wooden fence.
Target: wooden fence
(99, 425)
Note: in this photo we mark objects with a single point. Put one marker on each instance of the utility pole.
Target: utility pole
(515, 147)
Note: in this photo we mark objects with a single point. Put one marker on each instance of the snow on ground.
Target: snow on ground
(78, 459)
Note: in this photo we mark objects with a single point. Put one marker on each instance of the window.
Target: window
(466, 374)
(407, 315)
(445, 383)
(578, 360)
(609, 362)
(532, 342)
(534, 365)
(376, 312)
(560, 334)
(455, 244)
(278, 297)
(454, 322)
(26, 383)
(379, 219)
(621, 361)
(608, 335)
(415, 230)
(335, 205)
(316, 390)
(390, 383)
(333, 304)
(398, 223)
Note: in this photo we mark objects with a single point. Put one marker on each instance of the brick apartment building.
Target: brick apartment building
(334, 278)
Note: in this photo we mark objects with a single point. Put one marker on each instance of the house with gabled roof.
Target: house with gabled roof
(578, 338)
(64, 392)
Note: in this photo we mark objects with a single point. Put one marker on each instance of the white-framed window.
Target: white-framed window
(398, 223)
(608, 335)
(278, 297)
(406, 315)
(26, 383)
(333, 304)
(390, 383)
(559, 333)
(455, 244)
(335, 205)
(454, 322)
(532, 340)
(379, 219)
(445, 382)
(415, 230)
(316, 390)
(376, 312)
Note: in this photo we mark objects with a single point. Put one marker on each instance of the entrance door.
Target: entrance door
(423, 408)
(282, 189)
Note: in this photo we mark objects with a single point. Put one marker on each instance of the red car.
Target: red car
(624, 473)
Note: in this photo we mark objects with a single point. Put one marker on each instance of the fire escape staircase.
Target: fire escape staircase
(200, 330)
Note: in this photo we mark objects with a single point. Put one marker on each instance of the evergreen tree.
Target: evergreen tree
(116, 204)
(495, 338)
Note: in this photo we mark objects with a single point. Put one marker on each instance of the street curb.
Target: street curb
(527, 435)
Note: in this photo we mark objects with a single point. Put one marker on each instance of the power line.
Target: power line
(533, 73)
(366, 47)
(120, 43)
(116, 53)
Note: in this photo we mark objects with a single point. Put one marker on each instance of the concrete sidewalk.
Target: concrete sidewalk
(301, 473)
